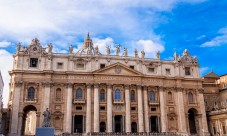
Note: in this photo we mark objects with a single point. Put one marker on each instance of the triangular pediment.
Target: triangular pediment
(118, 69)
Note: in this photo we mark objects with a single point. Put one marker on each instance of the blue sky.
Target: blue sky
(153, 25)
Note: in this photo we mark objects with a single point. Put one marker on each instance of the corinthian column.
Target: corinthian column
(162, 109)
(15, 109)
(181, 112)
(109, 108)
(127, 111)
(88, 111)
(96, 108)
(140, 109)
(68, 109)
(146, 118)
(203, 111)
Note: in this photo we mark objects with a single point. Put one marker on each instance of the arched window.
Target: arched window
(58, 94)
(190, 97)
(31, 93)
(170, 96)
(79, 93)
(102, 95)
(152, 96)
(117, 94)
(132, 96)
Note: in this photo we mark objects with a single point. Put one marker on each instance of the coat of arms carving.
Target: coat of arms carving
(117, 69)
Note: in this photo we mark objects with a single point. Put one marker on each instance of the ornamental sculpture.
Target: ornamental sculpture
(125, 52)
(71, 49)
(46, 120)
(96, 50)
(136, 53)
(107, 50)
(142, 54)
(50, 47)
(158, 55)
(117, 50)
(18, 47)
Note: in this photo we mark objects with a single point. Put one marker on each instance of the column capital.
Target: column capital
(126, 86)
(201, 90)
(96, 85)
(160, 88)
(18, 83)
(109, 85)
(179, 89)
(69, 84)
(145, 87)
(38, 114)
(138, 86)
(89, 85)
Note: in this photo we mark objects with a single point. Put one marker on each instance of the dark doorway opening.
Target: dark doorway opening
(191, 121)
(102, 127)
(134, 127)
(154, 123)
(78, 124)
(29, 120)
(118, 123)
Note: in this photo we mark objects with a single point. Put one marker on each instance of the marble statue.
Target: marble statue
(136, 53)
(175, 56)
(18, 47)
(107, 50)
(125, 52)
(50, 47)
(71, 49)
(97, 50)
(158, 55)
(46, 119)
(117, 50)
(142, 54)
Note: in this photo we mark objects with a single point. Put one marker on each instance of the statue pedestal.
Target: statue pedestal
(45, 131)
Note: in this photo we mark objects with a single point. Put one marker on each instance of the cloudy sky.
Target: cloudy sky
(167, 26)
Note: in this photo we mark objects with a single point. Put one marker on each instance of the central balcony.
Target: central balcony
(154, 103)
(79, 101)
(118, 102)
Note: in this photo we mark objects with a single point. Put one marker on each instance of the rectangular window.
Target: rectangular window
(153, 109)
(102, 65)
(59, 65)
(187, 71)
(78, 108)
(224, 131)
(102, 107)
(132, 67)
(80, 66)
(168, 71)
(151, 70)
(33, 62)
(133, 108)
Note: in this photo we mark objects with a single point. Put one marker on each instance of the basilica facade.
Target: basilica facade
(87, 91)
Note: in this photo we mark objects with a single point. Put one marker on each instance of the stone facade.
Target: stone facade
(1, 104)
(88, 91)
(215, 96)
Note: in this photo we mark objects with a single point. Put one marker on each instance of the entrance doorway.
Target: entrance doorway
(191, 120)
(78, 124)
(29, 120)
(102, 127)
(118, 123)
(154, 123)
(134, 127)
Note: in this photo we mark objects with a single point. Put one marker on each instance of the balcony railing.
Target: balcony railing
(118, 101)
(79, 101)
(153, 102)
(30, 100)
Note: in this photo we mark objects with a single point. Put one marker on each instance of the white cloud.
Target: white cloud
(6, 64)
(48, 19)
(203, 70)
(102, 43)
(150, 47)
(4, 44)
(218, 40)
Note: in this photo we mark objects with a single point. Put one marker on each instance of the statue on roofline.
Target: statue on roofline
(71, 49)
(118, 49)
(107, 50)
(142, 54)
